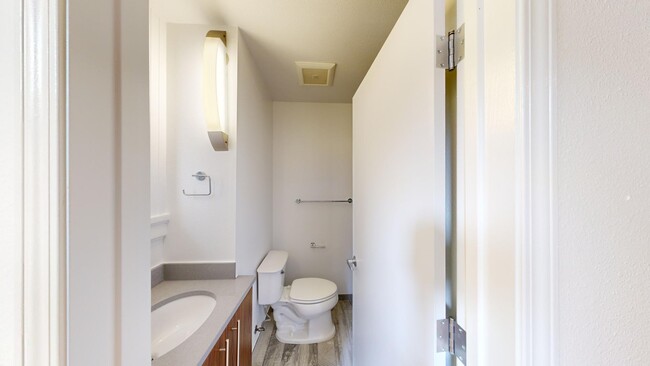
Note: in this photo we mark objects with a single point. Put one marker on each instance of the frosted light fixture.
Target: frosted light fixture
(215, 88)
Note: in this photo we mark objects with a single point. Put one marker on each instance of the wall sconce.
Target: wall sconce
(215, 88)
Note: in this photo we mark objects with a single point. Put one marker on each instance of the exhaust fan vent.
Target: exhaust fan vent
(316, 73)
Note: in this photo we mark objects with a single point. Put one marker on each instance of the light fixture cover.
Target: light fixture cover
(219, 140)
(215, 89)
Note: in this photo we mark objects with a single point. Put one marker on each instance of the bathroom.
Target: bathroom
(218, 210)
(491, 189)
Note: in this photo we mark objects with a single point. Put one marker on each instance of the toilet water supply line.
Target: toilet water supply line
(287, 313)
(267, 317)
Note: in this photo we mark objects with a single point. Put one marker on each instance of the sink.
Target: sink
(176, 320)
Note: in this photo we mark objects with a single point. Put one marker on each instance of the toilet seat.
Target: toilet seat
(311, 290)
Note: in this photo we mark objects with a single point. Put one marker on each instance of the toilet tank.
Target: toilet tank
(270, 277)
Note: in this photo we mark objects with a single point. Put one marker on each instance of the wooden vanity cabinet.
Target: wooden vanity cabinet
(217, 356)
(234, 346)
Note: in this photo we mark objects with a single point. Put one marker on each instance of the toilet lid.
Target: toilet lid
(308, 290)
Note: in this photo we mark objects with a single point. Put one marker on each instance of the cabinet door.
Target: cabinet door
(245, 316)
(234, 347)
(217, 356)
(234, 334)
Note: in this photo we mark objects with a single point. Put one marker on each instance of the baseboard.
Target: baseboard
(344, 297)
(157, 275)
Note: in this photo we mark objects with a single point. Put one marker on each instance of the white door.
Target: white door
(399, 189)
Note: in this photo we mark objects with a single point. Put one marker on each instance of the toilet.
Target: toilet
(302, 311)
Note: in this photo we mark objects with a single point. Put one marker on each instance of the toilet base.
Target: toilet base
(298, 323)
(316, 330)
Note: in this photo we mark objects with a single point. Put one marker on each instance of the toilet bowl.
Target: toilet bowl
(302, 311)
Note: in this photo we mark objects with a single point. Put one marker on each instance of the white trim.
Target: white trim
(158, 116)
(159, 226)
(537, 320)
(159, 219)
(43, 183)
(11, 184)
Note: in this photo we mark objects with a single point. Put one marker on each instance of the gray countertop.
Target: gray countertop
(228, 294)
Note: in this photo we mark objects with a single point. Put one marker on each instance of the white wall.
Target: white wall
(201, 229)
(158, 108)
(603, 173)
(312, 159)
(254, 223)
(235, 224)
(92, 252)
(108, 137)
(134, 188)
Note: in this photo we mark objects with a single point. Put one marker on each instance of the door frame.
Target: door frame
(536, 279)
(532, 51)
(44, 207)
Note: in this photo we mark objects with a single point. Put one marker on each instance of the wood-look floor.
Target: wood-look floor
(335, 352)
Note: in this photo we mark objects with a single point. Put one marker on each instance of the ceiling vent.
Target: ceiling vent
(316, 73)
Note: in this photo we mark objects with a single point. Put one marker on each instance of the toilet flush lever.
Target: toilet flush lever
(352, 263)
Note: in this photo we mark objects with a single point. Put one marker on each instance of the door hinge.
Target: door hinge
(450, 48)
(452, 338)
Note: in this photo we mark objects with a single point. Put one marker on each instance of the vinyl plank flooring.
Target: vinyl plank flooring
(327, 355)
(264, 339)
(335, 352)
(274, 351)
(344, 335)
(310, 356)
(290, 354)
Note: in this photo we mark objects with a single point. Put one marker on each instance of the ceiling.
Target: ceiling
(281, 32)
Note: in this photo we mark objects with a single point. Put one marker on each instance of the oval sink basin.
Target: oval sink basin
(174, 322)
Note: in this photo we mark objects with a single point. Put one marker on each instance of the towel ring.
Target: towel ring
(200, 176)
